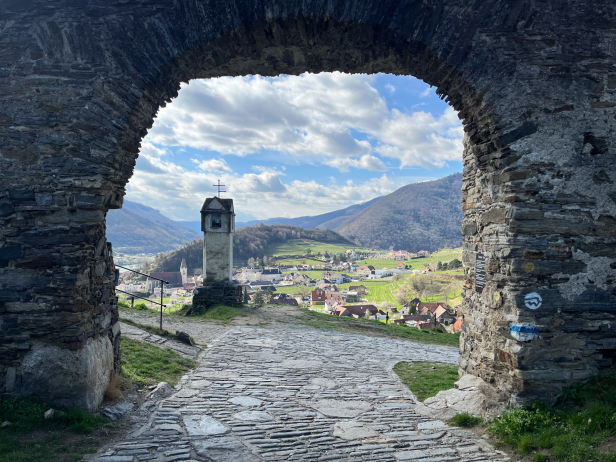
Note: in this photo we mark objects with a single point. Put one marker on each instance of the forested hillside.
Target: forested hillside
(248, 242)
(418, 216)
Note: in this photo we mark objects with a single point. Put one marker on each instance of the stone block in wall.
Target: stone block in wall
(68, 378)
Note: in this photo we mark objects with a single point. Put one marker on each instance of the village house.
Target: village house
(401, 266)
(251, 274)
(327, 287)
(378, 274)
(365, 270)
(335, 278)
(361, 289)
(357, 311)
(414, 320)
(263, 285)
(271, 274)
(350, 296)
(318, 297)
(284, 299)
(174, 279)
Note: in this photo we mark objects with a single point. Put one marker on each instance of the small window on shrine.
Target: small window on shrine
(216, 221)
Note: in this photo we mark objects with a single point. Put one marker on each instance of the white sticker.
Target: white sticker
(533, 300)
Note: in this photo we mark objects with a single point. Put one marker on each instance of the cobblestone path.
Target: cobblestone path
(298, 394)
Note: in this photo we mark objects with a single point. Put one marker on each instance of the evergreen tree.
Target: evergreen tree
(268, 295)
(439, 266)
(257, 298)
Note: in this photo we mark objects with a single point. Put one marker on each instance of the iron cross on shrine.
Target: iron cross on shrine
(219, 186)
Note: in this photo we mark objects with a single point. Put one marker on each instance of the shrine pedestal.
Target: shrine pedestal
(207, 296)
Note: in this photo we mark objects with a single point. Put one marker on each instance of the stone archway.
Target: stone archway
(534, 83)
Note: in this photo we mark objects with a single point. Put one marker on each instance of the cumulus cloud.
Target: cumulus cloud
(261, 194)
(366, 162)
(212, 165)
(315, 117)
(427, 92)
(434, 140)
(331, 119)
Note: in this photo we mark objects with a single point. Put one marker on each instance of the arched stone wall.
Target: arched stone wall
(534, 83)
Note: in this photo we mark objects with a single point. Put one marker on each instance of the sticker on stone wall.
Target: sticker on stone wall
(529, 267)
(496, 296)
(533, 300)
(480, 272)
(524, 332)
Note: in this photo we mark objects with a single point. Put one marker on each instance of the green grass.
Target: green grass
(146, 364)
(571, 431)
(64, 438)
(465, 420)
(416, 263)
(426, 379)
(222, 313)
(151, 329)
(368, 327)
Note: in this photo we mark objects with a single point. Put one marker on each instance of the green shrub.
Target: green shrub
(464, 419)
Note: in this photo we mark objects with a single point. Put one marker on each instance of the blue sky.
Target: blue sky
(294, 145)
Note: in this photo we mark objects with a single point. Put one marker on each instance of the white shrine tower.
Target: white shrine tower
(218, 226)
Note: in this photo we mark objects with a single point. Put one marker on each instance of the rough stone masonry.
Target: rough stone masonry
(534, 82)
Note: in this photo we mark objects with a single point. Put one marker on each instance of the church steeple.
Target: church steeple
(184, 271)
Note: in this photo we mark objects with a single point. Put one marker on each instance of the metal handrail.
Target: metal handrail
(161, 292)
(128, 269)
(142, 298)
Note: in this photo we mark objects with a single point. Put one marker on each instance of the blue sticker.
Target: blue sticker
(524, 329)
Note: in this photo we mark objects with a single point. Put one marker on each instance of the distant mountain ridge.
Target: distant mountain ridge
(137, 228)
(418, 216)
(324, 221)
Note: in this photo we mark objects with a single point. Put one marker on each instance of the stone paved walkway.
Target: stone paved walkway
(298, 395)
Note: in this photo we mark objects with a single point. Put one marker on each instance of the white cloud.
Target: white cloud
(421, 139)
(427, 92)
(331, 119)
(261, 194)
(366, 162)
(314, 117)
(212, 165)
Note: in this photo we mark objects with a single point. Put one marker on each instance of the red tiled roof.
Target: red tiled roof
(457, 327)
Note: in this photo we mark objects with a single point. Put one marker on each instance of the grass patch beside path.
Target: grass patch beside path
(367, 327)
(571, 431)
(426, 379)
(148, 328)
(222, 313)
(65, 438)
(146, 364)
